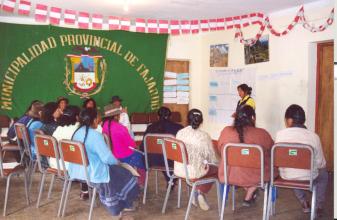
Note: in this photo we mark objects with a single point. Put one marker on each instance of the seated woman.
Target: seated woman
(244, 131)
(163, 126)
(49, 118)
(67, 125)
(199, 148)
(34, 124)
(117, 187)
(121, 141)
(89, 103)
(62, 103)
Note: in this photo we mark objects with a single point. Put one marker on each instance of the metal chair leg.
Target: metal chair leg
(313, 203)
(179, 193)
(223, 201)
(51, 186)
(233, 198)
(62, 198)
(26, 187)
(6, 194)
(66, 198)
(145, 186)
(156, 172)
(33, 169)
(218, 196)
(269, 203)
(167, 195)
(265, 198)
(190, 201)
(92, 203)
(41, 189)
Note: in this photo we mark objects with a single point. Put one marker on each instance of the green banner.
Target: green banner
(45, 62)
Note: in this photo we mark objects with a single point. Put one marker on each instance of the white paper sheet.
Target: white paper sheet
(170, 82)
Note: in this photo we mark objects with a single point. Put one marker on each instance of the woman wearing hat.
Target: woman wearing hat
(123, 117)
(117, 187)
(121, 141)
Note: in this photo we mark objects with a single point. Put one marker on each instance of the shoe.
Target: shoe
(84, 196)
(203, 204)
(306, 207)
(319, 212)
(248, 203)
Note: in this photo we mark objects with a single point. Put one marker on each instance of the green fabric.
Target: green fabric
(139, 82)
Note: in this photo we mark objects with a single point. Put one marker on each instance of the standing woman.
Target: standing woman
(244, 92)
(117, 187)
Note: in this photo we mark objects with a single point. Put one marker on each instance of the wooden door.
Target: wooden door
(325, 100)
(178, 66)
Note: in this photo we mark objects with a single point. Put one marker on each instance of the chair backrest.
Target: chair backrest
(74, 152)
(5, 121)
(23, 140)
(47, 146)
(153, 145)
(243, 155)
(174, 149)
(293, 155)
(38, 131)
(153, 117)
(139, 118)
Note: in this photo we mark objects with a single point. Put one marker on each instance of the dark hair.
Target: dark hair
(87, 117)
(48, 111)
(296, 113)
(195, 118)
(69, 116)
(164, 113)
(30, 105)
(87, 101)
(245, 88)
(244, 117)
(60, 99)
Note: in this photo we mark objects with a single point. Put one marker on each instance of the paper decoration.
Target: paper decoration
(183, 94)
(182, 82)
(183, 88)
(41, 12)
(170, 100)
(204, 25)
(125, 24)
(114, 23)
(229, 23)
(24, 7)
(9, 5)
(55, 15)
(140, 25)
(97, 21)
(83, 20)
(152, 26)
(69, 16)
(195, 26)
(170, 88)
(170, 94)
(185, 26)
(183, 100)
(163, 26)
(212, 24)
(244, 21)
(220, 24)
(174, 27)
(237, 21)
(183, 76)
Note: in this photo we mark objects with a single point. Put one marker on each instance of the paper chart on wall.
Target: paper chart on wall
(223, 95)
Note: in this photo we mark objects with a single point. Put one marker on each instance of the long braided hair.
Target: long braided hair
(86, 119)
(245, 117)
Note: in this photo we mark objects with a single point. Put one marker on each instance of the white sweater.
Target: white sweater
(199, 148)
(303, 136)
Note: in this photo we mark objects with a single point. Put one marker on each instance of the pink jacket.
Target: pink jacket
(120, 138)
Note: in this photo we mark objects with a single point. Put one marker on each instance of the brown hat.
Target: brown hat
(111, 110)
(35, 110)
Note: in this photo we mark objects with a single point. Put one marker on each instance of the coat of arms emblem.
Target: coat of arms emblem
(85, 73)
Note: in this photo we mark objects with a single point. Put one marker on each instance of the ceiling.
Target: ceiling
(174, 9)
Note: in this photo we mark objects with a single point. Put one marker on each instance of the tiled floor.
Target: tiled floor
(287, 205)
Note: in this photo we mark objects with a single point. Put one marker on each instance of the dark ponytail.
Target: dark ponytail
(297, 114)
(245, 88)
(87, 117)
(195, 118)
(244, 118)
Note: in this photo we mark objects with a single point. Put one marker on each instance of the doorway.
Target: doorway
(324, 123)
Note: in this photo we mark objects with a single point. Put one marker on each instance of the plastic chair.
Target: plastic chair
(247, 156)
(74, 152)
(7, 170)
(47, 146)
(175, 150)
(292, 155)
(26, 154)
(153, 145)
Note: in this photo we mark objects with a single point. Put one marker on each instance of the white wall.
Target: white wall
(294, 53)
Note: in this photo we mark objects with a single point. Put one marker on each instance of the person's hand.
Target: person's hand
(125, 110)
